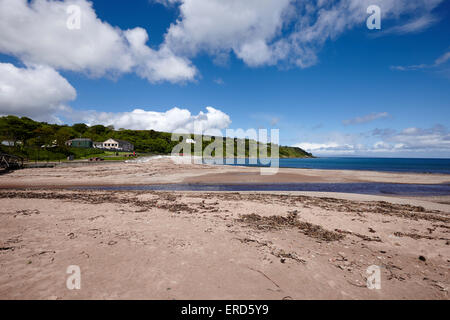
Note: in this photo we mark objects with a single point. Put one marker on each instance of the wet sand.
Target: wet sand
(164, 170)
(216, 245)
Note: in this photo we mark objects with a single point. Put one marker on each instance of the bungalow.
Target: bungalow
(8, 143)
(80, 143)
(97, 145)
(119, 145)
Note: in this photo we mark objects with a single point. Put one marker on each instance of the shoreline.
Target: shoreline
(167, 171)
(78, 163)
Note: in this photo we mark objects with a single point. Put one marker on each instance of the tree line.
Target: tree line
(27, 136)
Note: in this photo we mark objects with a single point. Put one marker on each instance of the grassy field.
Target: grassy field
(61, 154)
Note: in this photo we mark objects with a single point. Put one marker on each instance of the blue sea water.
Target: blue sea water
(371, 164)
(361, 188)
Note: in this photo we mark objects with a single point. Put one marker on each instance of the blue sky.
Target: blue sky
(355, 92)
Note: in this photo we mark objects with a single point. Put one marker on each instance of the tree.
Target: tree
(17, 129)
(64, 134)
(44, 135)
(159, 145)
(80, 128)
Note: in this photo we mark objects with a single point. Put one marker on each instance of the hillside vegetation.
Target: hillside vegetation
(42, 141)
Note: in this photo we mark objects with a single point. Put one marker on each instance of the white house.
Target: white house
(8, 143)
(119, 145)
(97, 145)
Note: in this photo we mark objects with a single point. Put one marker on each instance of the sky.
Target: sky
(312, 69)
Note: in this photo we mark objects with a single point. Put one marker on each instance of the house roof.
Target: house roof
(81, 139)
(120, 141)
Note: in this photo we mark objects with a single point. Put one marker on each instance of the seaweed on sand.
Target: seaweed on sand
(289, 221)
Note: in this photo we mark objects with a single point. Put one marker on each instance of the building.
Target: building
(80, 143)
(191, 141)
(8, 143)
(98, 145)
(117, 145)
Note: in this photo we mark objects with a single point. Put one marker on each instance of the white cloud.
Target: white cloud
(36, 33)
(244, 27)
(442, 59)
(415, 25)
(316, 146)
(437, 63)
(175, 119)
(435, 138)
(219, 81)
(367, 118)
(260, 32)
(410, 68)
(412, 141)
(268, 32)
(37, 92)
(328, 148)
(157, 65)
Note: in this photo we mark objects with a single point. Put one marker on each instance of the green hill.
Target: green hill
(39, 140)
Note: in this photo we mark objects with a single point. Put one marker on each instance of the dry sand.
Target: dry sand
(216, 245)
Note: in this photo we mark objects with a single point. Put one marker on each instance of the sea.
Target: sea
(371, 164)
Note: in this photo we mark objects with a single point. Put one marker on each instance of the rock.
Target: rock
(422, 258)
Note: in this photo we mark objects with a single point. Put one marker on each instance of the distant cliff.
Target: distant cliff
(294, 152)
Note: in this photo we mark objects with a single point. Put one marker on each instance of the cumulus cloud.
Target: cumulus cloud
(36, 32)
(419, 139)
(157, 65)
(367, 118)
(268, 32)
(244, 27)
(175, 119)
(408, 142)
(260, 32)
(328, 148)
(336, 149)
(38, 92)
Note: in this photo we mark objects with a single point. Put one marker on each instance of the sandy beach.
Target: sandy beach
(217, 245)
(164, 170)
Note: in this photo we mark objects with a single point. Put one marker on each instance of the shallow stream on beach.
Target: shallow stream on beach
(361, 188)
